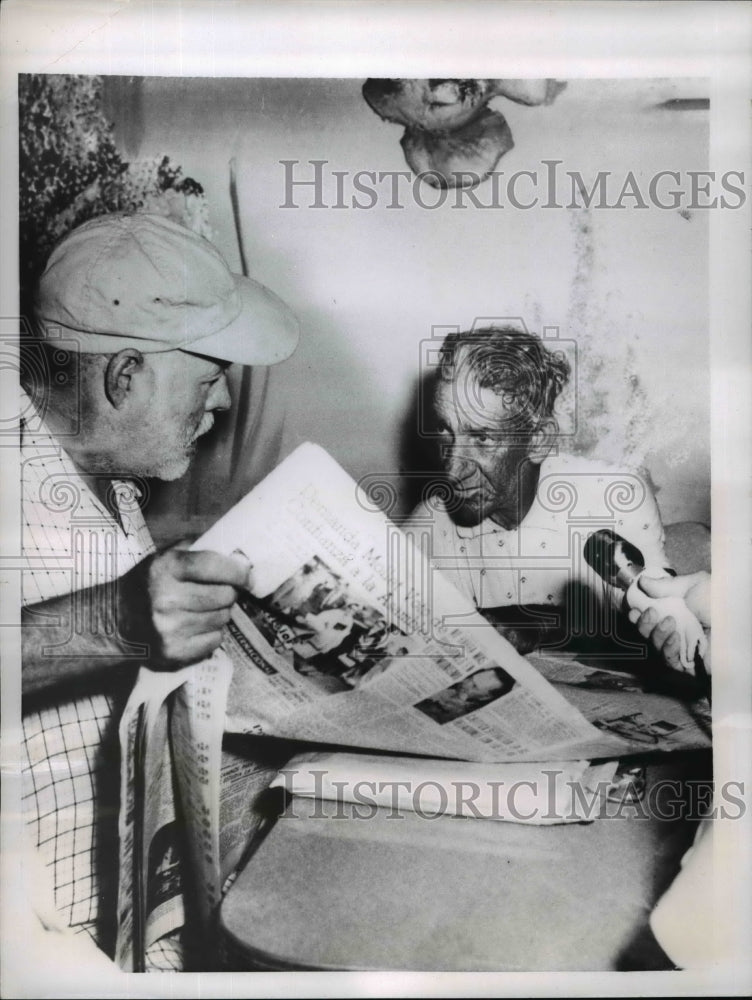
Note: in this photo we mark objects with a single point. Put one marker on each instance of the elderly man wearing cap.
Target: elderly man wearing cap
(136, 321)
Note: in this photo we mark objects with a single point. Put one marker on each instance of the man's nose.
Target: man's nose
(456, 463)
(219, 397)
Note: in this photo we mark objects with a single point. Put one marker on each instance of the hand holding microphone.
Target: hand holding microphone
(667, 621)
(694, 590)
(658, 606)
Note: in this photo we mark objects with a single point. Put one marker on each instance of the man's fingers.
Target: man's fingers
(190, 623)
(646, 622)
(211, 567)
(662, 632)
(658, 632)
(191, 595)
(209, 621)
(672, 651)
(195, 597)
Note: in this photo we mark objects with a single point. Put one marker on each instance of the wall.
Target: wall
(629, 286)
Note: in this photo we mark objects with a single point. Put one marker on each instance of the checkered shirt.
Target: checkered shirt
(71, 768)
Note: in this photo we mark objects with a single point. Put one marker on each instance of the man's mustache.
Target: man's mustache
(207, 422)
(472, 483)
(463, 491)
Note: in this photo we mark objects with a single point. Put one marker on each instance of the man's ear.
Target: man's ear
(542, 440)
(119, 374)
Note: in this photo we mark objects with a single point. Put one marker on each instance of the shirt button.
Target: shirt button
(550, 597)
(523, 579)
(462, 548)
(501, 542)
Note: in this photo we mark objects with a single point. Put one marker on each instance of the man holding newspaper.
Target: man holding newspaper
(137, 320)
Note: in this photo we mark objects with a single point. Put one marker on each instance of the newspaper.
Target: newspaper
(345, 637)
(349, 637)
(150, 902)
(565, 792)
(615, 702)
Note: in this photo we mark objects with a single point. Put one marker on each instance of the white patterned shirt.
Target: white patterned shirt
(71, 773)
(537, 561)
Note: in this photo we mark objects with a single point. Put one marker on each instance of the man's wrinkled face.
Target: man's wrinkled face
(483, 453)
(176, 404)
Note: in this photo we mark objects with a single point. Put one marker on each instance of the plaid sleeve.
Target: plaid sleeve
(70, 776)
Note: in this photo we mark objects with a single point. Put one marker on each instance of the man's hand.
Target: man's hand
(179, 601)
(694, 589)
(175, 603)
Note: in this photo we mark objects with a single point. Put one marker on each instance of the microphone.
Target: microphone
(621, 564)
(613, 558)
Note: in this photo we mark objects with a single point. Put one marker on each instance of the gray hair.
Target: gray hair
(512, 363)
(47, 367)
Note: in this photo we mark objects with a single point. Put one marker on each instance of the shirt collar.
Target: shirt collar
(36, 434)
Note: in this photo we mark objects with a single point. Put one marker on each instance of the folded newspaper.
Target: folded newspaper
(347, 636)
(541, 794)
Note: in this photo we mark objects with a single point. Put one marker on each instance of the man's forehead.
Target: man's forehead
(471, 404)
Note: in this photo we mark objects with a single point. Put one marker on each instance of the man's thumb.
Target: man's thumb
(246, 566)
(669, 586)
(663, 586)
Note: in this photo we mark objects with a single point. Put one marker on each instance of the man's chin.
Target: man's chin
(175, 468)
(467, 513)
(174, 473)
